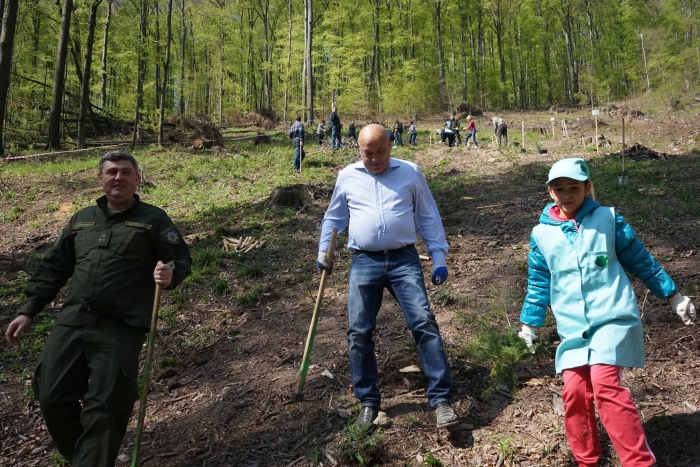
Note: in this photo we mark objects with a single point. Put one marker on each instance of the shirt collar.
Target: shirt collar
(102, 204)
(393, 163)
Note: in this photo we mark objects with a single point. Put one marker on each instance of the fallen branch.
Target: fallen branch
(14, 158)
(493, 206)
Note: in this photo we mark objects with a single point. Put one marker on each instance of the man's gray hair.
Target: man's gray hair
(117, 155)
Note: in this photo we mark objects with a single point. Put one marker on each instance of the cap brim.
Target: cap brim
(579, 177)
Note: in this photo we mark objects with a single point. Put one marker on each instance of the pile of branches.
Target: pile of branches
(204, 130)
(562, 110)
(637, 152)
(465, 108)
(623, 111)
(263, 118)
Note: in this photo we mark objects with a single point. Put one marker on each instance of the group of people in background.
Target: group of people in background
(335, 128)
(450, 134)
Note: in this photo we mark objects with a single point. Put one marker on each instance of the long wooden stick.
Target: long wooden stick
(523, 124)
(303, 370)
(146, 377)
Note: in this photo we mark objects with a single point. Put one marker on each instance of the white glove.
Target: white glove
(322, 262)
(683, 307)
(528, 335)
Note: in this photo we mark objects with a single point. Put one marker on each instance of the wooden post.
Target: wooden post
(552, 119)
(523, 124)
(623, 146)
(566, 132)
(597, 150)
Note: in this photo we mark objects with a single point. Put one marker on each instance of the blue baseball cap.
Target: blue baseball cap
(575, 168)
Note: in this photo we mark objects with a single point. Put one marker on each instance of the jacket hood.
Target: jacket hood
(589, 204)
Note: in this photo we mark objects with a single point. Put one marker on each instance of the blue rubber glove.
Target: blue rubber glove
(439, 274)
(323, 263)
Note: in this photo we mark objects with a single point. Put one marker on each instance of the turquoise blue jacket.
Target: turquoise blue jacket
(578, 267)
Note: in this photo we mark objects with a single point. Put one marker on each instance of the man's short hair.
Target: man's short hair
(117, 155)
(298, 118)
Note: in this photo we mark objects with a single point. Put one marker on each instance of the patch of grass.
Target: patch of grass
(251, 297)
(168, 362)
(169, 315)
(360, 446)
(220, 286)
(251, 272)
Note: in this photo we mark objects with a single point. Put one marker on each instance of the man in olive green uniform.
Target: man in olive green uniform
(115, 253)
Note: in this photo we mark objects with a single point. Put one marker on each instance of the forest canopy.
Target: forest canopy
(230, 57)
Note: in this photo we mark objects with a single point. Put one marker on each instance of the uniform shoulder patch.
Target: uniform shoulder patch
(171, 235)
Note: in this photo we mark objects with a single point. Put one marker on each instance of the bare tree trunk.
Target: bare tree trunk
(105, 41)
(7, 41)
(87, 67)
(441, 60)
(156, 64)
(309, 65)
(289, 61)
(166, 69)
(573, 65)
(54, 140)
(138, 131)
(644, 54)
(183, 37)
(375, 71)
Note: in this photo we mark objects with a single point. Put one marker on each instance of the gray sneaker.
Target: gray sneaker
(445, 415)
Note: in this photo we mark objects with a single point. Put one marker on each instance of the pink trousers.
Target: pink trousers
(601, 383)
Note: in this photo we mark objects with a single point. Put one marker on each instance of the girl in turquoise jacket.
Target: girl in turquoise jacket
(578, 256)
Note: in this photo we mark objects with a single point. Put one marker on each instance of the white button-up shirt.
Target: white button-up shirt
(383, 212)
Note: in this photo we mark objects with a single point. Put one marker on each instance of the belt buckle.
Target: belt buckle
(386, 251)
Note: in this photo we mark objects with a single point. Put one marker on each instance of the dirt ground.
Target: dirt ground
(223, 402)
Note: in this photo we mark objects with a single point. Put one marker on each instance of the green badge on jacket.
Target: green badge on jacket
(601, 261)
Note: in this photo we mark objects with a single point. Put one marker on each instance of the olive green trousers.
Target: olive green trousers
(86, 383)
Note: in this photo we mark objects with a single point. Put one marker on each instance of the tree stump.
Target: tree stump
(293, 196)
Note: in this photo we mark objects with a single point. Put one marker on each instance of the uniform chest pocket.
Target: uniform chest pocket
(86, 237)
(134, 234)
(598, 267)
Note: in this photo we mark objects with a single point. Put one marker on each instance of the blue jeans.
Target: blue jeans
(401, 273)
(398, 136)
(472, 135)
(335, 137)
(412, 139)
(299, 155)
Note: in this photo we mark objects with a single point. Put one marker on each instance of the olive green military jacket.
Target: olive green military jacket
(111, 258)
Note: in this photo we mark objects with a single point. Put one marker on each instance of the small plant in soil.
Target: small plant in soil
(360, 446)
(501, 348)
(431, 461)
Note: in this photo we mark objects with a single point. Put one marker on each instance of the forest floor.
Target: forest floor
(231, 337)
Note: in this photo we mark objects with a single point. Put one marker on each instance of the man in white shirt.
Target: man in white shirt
(383, 201)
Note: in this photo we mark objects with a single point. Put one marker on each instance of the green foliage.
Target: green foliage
(499, 347)
(59, 461)
(360, 445)
(251, 297)
(524, 61)
(251, 272)
(220, 286)
(431, 461)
